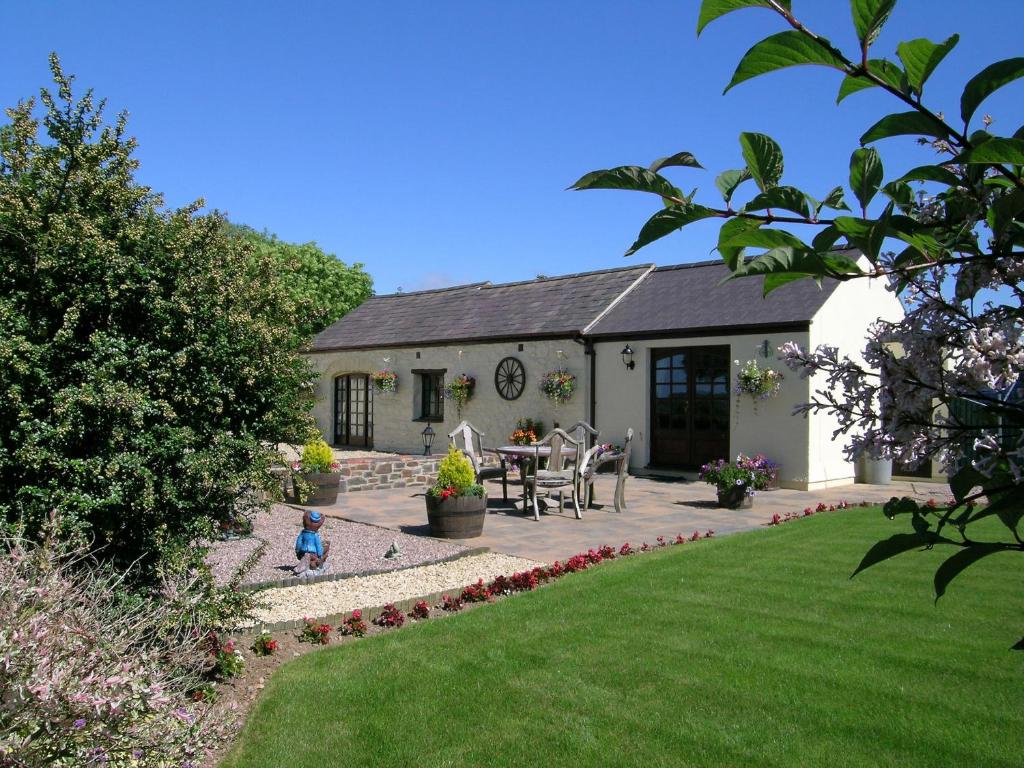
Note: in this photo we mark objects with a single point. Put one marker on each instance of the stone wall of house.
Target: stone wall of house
(396, 426)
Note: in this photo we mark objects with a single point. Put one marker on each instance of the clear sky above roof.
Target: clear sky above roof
(433, 141)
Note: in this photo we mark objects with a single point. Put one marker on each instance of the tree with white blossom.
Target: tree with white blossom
(952, 251)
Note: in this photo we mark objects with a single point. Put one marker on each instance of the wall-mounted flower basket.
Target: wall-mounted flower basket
(759, 383)
(460, 391)
(558, 386)
(385, 381)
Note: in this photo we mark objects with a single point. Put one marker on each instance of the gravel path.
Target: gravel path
(355, 548)
(330, 597)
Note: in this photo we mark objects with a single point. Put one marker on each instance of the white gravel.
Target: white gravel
(331, 597)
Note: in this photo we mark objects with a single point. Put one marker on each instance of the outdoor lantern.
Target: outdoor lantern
(766, 349)
(627, 357)
(428, 439)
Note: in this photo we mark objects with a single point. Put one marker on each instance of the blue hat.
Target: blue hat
(315, 516)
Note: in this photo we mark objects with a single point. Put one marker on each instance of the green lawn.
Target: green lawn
(751, 650)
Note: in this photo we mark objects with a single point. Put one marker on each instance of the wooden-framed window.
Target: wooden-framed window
(429, 403)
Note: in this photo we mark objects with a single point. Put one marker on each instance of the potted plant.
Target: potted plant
(735, 481)
(316, 476)
(385, 381)
(460, 390)
(456, 503)
(558, 385)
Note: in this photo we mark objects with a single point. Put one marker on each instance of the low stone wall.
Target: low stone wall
(398, 471)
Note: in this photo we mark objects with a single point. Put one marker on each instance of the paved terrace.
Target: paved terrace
(654, 508)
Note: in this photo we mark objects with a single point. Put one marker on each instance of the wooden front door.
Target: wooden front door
(353, 410)
(689, 406)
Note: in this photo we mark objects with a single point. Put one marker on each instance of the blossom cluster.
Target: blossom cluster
(385, 380)
(558, 386)
(759, 383)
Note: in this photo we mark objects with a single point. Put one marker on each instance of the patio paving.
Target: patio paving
(654, 508)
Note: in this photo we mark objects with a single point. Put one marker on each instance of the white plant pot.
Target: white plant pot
(876, 471)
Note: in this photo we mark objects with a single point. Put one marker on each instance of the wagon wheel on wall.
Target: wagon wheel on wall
(510, 378)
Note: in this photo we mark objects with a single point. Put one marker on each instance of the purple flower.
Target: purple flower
(79, 724)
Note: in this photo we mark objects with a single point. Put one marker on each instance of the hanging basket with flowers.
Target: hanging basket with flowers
(558, 386)
(460, 391)
(759, 383)
(384, 381)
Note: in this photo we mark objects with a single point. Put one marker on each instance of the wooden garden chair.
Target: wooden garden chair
(472, 446)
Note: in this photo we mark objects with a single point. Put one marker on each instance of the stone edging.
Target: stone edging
(292, 581)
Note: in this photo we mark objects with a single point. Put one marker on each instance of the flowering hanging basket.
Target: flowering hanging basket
(385, 381)
(759, 383)
(460, 391)
(558, 386)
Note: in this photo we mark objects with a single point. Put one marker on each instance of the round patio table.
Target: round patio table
(527, 454)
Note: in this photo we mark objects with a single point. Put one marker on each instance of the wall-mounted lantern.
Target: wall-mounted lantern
(627, 357)
(428, 438)
(766, 350)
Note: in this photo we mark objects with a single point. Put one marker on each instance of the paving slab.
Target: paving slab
(654, 508)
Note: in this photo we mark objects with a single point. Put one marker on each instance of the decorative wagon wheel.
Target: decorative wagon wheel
(510, 378)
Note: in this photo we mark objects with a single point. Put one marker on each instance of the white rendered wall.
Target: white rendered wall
(843, 322)
(623, 401)
(394, 424)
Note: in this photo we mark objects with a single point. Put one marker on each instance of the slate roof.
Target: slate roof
(688, 298)
(629, 301)
(553, 307)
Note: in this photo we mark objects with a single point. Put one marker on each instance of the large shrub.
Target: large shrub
(147, 359)
(322, 286)
(92, 675)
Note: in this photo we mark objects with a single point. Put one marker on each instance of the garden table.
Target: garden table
(526, 455)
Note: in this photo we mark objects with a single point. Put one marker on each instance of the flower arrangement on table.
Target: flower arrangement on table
(460, 391)
(558, 386)
(385, 380)
(455, 477)
(527, 432)
(760, 383)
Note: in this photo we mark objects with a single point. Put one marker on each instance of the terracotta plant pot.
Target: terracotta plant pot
(457, 517)
(321, 489)
(735, 497)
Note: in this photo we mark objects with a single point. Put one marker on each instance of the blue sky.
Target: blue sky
(433, 141)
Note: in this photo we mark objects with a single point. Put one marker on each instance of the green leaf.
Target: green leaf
(1005, 210)
(732, 254)
(955, 565)
(787, 198)
(894, 545)
(785, 49)
(921, 56)
(713, 9)
(631, 177)
(666, 221)
(728, 181)
(931, 173)
(868, 18)
(987, 82)
(905, 124)
(787, 260)
(996, 151)
(833, 200)
(866, 234)
(764, 238)
(881, 68)
(679, 159)
(826, 239)
(865, 175)
(763, 157)
(966, 478)
(773, 282)
(900, 193)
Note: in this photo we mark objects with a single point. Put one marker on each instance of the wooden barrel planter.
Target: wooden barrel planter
(735, 497)
(457, 517)
(321, 489)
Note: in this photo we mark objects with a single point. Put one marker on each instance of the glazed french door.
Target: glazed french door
(689, 406)
(353, 410)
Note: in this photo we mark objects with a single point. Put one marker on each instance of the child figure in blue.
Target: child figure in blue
(310, 551)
